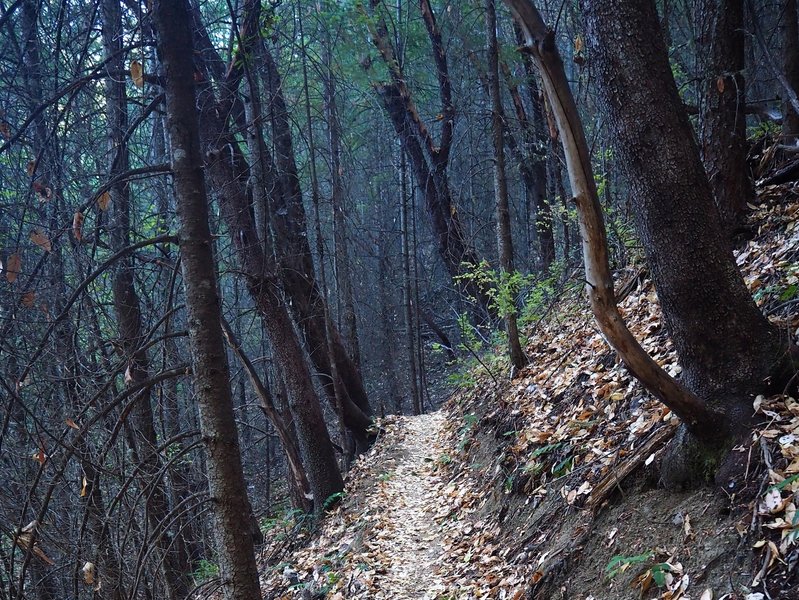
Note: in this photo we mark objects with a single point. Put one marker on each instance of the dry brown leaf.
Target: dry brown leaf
(42, 190)
(31, 168)
(71, 423)
(13, 266)
(104, 200)
(137, 73)
(28, 299)
(89, 572)
(41, 239)
(77, 225)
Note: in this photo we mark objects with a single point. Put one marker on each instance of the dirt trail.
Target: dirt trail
(407, 502)
(406, 529)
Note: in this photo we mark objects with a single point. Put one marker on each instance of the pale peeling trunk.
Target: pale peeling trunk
(541, 45)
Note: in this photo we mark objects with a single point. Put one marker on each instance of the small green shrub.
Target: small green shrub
(205, 570)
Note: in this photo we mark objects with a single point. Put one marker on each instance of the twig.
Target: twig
(604, 488)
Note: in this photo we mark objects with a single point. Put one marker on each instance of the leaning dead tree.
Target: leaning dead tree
(540, 44)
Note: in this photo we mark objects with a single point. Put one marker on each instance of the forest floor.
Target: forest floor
(546, 485)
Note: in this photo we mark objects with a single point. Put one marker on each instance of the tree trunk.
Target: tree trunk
(723, 130)
(727, 349)
(535, 174)
(126, 304)
(541, 45)
(407, 289)
(298, 274)
(429, 158)
(209, 360)
(504, 240)
(790, 64)
(341, 258)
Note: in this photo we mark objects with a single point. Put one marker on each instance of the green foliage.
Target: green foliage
(333, 499)
(205, 570)
(620, 562)
(501, 287)
(464, 433)
(282, 527)
(766, 129)
(784, 483)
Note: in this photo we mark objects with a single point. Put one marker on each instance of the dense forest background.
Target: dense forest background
(388, 199)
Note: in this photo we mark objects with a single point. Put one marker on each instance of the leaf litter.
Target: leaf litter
(530, 488)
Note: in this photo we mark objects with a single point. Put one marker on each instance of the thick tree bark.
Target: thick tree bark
(504, 240)
(297, 475)
(263, 282)
(297, 271)
(541, 45)
(723, 126)
(174, 570)
(790, 64)
(285, 235)
(341, 257)
(534, 173)
(212, 377)
(407, 288)
(727, 349)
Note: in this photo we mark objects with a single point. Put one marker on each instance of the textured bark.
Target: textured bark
(407, 289)
(429, 158)
(541, 45)
(297, 271)
(228, 175)
(504, 240)
(341, 257)
(534, 174)
(723, 130)
(727, 349)
(209, 360)
(126, 305)
(285, 236)
(790, 64)
(263, 282)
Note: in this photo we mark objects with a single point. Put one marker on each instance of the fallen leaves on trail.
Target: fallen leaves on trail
(425, 517)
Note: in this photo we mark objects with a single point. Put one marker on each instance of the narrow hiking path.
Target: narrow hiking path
(409, 528)
(407, 499)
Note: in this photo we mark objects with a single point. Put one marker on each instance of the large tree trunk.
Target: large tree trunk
(504, 240)
(723, 130)
(228, 175)
(790, 64)
(341, 257)
(540, 43)
(534, 172)
(297, 272)
(174, 569)
(727, 349)
(209, 360)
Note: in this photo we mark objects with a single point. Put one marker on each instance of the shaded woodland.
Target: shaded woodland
(234, 236)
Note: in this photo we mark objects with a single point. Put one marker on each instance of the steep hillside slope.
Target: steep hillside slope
(546, 486)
